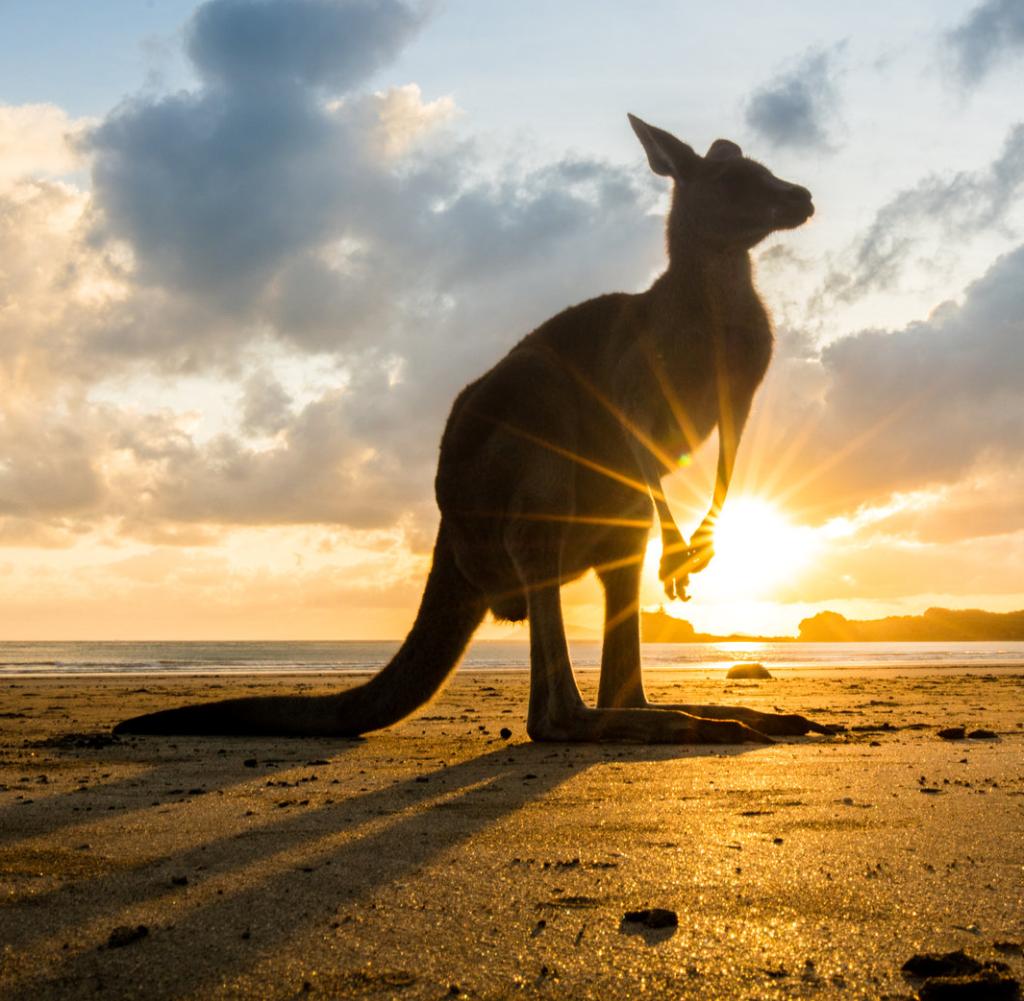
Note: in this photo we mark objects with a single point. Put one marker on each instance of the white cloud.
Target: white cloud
(37, 140)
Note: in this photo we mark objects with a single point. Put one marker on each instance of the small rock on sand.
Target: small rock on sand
(125, 935)
(983, 735)
(747, 671)
(941, 964)
(653, 917)
(955, 976)
(1009, 948)
(953, 733)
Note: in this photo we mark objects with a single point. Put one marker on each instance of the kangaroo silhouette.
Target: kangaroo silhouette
(550, 466)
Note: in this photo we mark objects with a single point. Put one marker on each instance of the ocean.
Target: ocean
(20, 659)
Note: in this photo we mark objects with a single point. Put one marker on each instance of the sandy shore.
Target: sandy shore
(439, 859)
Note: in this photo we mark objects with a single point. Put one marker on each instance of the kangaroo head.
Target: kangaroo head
(722, 200)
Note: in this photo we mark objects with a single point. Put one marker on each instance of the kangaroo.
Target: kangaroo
(550, 466)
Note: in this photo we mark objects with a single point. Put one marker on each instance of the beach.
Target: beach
(443, 858)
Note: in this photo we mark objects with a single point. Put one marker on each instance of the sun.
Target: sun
(757, 549)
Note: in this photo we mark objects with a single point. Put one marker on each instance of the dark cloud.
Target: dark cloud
(323, 220)
(799, 108)
(952, 208)
(264, 44)
(992, 32)
(215, 191)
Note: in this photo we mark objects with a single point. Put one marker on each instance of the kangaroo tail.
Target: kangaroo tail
(450, 611)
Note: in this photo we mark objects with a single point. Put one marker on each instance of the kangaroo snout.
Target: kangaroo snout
(795, 207)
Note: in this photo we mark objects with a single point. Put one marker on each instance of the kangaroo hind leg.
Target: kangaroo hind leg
(621, 679)
(557, 711)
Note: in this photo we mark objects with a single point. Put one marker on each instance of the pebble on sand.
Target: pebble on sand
(955, 976)
(941, 964)
(653, 917)
(124, 935)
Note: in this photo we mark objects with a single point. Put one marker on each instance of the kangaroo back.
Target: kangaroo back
(450, 611)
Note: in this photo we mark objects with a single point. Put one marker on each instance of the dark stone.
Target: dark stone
(250, 762)
(953, 733)
(125, 935)
(941, 964)
(983, 735)
(747, 671)
(505, 733)
(653, 917)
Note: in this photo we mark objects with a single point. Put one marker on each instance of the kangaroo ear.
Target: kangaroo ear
(666, 154)
(722, 149)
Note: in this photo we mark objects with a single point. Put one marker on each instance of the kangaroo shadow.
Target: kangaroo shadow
(158, 785)
(365, 834)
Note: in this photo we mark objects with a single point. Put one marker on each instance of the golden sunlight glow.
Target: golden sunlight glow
(756, 548)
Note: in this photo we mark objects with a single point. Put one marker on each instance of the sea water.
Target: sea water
(173, 657)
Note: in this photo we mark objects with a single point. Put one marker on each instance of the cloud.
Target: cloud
(233, 223)
(264, 44)
(266, 407)
(889, 569)
(925, 405)
(47, 468)
(991, 33)
(974, 507)
(951, 208)
(51, 284)
(799, 108)
(330, 219)
(37, 140)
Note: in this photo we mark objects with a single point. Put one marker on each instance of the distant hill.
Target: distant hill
(936, 625)
(660, 627)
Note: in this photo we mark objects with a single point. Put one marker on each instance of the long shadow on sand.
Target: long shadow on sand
(159, 784)
(365, 834)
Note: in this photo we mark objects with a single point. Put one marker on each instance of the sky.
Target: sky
(251, 249)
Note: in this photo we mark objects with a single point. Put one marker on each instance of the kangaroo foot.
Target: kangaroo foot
(775, 724)
(644, 726)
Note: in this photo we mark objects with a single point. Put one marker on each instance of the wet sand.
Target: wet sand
(437, 859)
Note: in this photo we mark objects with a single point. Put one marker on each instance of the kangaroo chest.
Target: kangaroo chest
(697, 370)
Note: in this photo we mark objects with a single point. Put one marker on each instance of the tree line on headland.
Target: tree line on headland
(935, 625)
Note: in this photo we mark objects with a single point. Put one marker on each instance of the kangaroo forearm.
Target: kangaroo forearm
(652, 473)
(729, 435)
